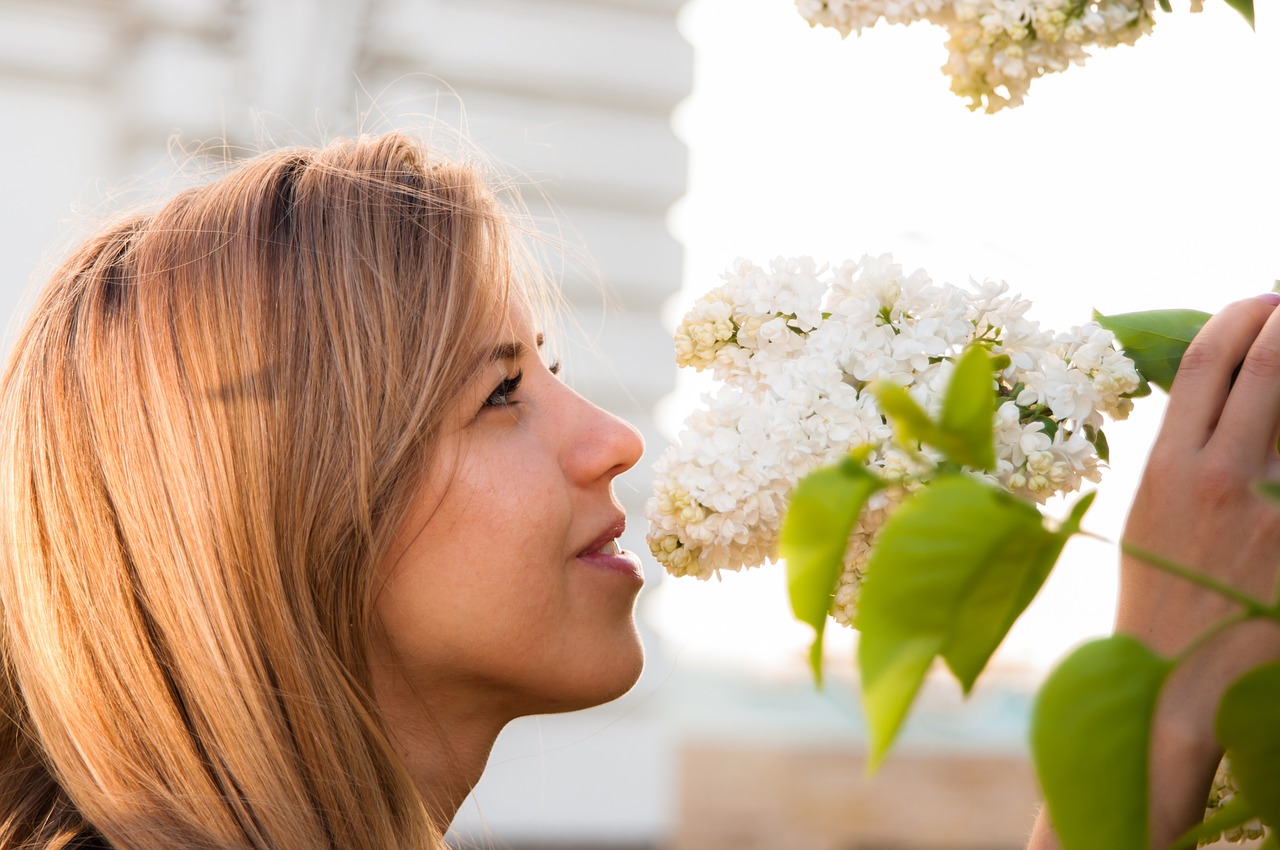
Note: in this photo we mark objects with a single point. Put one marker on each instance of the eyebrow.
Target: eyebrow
(511, 350)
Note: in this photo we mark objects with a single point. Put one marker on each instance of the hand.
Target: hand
(1196, 506)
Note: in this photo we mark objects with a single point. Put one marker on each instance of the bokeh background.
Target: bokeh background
(656, 140)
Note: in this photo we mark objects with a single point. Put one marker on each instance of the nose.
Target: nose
(602, 445)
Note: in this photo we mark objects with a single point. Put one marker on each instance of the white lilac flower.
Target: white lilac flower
(705, 332)
(853, 16)
(795, 347)
(1220, 793)
(998, 47)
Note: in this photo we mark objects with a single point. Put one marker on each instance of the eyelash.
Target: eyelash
(501, 395)
(507, 387)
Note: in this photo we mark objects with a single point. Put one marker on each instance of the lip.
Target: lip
(622, 561)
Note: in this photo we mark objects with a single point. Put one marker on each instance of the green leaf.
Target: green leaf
(1245, 8)
(1235, 812)
(965, 431)
(910, 422)
(952, 569)
(1049, 425)
(1248, 730)
(1006, 573)
(1071, 525)
(892, 673)
(967, 426)
(1143, 390)
(815, 532)
(1269, 490)
(1090, 732)
(1155, 340)
(1099, 441)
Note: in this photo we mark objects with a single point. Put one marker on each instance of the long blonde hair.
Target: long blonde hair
(211, 425)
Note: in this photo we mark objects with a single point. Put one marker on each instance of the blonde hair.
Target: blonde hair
(212, 423)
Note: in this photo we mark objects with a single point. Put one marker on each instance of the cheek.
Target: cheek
(488, 599)
(505, 546)
(481, 570)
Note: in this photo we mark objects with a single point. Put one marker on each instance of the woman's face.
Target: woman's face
(505, 592)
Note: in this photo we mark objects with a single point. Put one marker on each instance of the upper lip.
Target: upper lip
(612, 532)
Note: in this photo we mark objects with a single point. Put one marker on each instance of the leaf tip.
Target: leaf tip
(876, 754)
(815, 660)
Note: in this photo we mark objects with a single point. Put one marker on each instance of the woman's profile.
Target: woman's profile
(295, 516)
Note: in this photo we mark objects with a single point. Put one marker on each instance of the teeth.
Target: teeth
(610, 548)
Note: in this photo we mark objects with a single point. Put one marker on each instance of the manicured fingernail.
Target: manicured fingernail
(1272, 298)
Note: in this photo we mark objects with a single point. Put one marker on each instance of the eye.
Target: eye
(554, 368)
(503, 392)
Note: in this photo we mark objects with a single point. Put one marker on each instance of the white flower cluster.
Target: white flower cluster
(1220, 793)
(997, 47)
(795, 348)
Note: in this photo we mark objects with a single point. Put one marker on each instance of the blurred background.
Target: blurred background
(658, 140)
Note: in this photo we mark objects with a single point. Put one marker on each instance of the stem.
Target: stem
(1252, 607)
(1211, 632)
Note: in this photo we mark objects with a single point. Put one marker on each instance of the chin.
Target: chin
(629, 674)
(606, 683)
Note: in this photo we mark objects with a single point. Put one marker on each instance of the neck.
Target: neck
(446, 769)
(444, 751)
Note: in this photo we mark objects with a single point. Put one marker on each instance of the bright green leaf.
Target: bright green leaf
(1005, 575)
(951, 570)
(965, 432)
(1090, 733)
(1155, 340)
(891, 674)
(815, 532)
(1235, 812)
(1071, 525)
(1005, 580)
(1245, 8)
(910, 422)
(968, 411)
(1247, 728)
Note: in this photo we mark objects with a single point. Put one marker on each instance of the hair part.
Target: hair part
(213, 421)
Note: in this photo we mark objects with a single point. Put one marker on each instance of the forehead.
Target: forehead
(521, 318)
(510, 335)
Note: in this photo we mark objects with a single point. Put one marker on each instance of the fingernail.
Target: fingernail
(1272, 298)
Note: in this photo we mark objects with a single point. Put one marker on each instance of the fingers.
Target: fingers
(1203, 383)
(1247, 427)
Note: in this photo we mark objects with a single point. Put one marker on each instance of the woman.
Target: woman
(295, 518)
